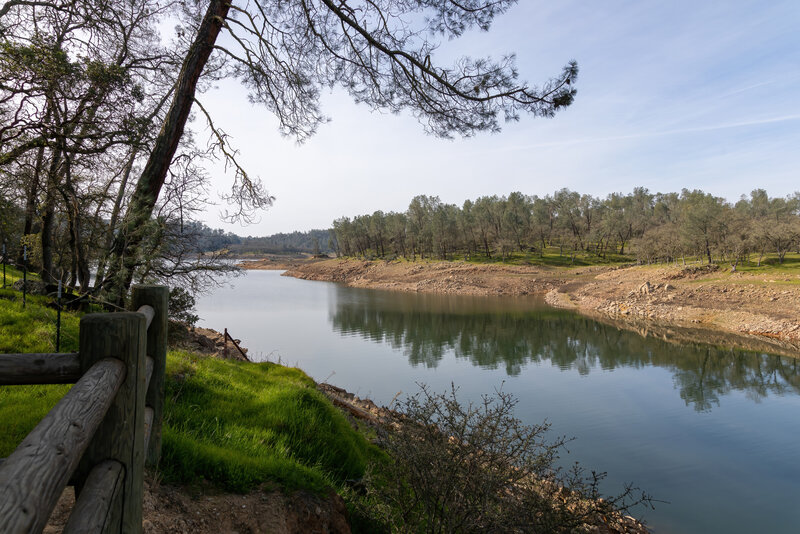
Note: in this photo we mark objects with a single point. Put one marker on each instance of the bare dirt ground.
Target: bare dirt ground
(694, 303)
(435, 277)
(701, 302)
(276, 262)
(203, 510)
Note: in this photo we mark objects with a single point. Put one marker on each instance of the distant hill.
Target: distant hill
(277, 243)
(209, 240)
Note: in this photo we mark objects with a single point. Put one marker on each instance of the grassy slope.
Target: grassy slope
(32, 329)
(236, 424)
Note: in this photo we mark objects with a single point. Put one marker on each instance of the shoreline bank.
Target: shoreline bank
(684, 304)
(363, 411)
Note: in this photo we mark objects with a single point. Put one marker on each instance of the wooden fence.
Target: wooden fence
(99, 436)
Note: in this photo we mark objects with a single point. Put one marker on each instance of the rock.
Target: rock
(203, 340)
(32, 287)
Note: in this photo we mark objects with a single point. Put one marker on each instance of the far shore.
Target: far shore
(695, 303)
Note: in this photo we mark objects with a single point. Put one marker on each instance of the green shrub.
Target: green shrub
(182, 306)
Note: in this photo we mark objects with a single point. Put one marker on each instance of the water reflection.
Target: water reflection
(512, 332)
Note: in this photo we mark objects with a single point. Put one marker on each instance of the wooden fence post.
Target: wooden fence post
(121, 434)
(158, 298)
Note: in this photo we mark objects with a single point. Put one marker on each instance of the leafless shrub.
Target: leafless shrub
(477, 468)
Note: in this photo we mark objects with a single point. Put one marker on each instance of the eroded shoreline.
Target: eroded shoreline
(676, 303)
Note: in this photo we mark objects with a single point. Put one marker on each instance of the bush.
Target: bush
(477, 468)
(181, 306)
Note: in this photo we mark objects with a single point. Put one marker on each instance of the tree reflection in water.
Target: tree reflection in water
(512, 332)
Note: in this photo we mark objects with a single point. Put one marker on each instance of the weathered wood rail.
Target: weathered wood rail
(99, 436)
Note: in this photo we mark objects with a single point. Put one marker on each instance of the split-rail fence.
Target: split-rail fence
(101, 433)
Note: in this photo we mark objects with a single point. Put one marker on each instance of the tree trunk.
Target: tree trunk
(73, 257)
(48, 219)
(126, 246)
(112, 225)
(31, 196)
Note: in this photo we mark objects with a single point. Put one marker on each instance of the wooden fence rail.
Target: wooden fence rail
(99, 436)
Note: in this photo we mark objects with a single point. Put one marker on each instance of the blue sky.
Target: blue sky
(671, 95)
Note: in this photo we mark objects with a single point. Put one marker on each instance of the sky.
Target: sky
(671, 95)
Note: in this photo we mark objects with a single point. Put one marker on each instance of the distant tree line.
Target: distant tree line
(653, 227)
(311, 242)
(218, 240)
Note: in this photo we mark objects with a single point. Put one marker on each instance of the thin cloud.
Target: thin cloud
(645, 135)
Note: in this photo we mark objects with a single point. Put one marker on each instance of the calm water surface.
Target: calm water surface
(714, 432)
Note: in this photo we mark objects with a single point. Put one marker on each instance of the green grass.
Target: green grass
(770, 265)
(552, 258)
(21, 409)
(772, 271)
(32, 329)
(238, 424)
(234, 424)
(13, 274)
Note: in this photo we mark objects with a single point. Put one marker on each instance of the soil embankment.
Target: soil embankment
(695, 303)
(275, 262)
(436, 277)
(203, 509)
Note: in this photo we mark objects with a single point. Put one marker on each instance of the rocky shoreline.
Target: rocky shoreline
(205, 341)
(695, 303)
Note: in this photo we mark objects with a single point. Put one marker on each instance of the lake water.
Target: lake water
(714, 432)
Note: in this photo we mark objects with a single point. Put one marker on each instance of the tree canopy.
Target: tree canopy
(95, 104)
(662, 227)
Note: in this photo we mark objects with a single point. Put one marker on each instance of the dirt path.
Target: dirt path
(205, 510)
(695, 303)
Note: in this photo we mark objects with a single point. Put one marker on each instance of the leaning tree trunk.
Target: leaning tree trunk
(125, 250)
(112, 225)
